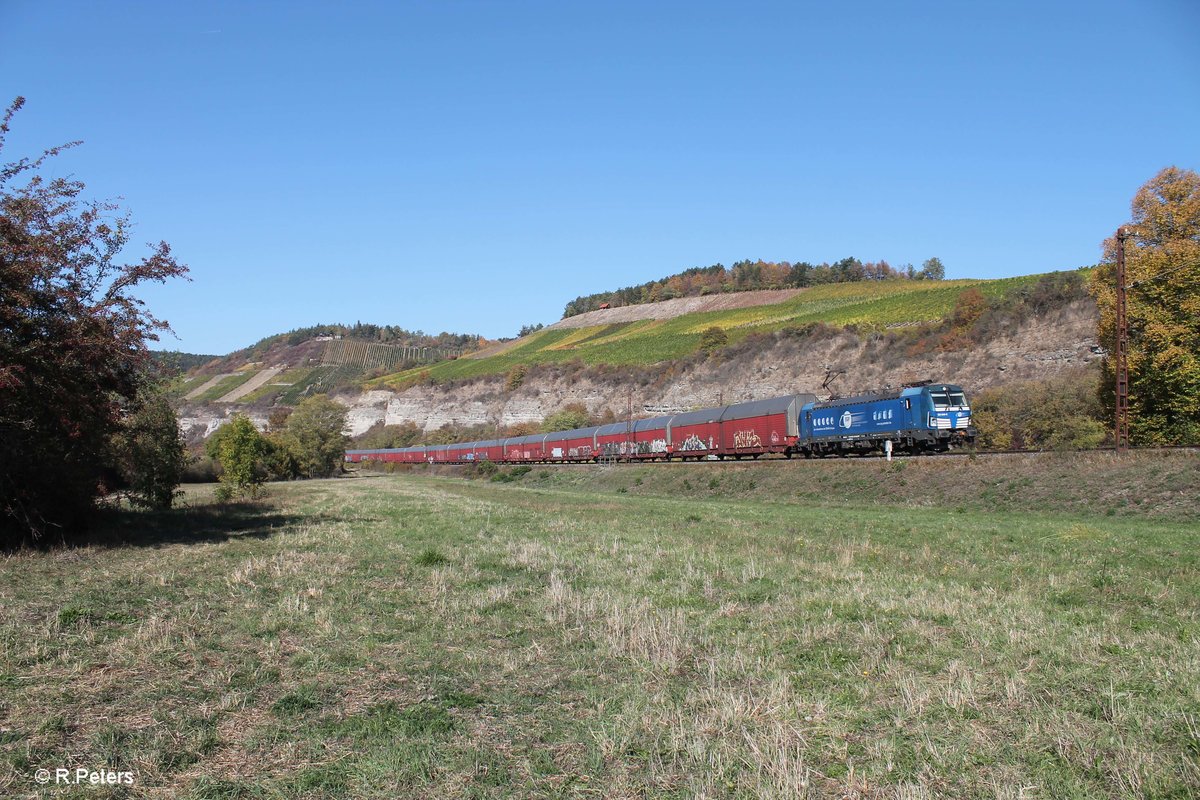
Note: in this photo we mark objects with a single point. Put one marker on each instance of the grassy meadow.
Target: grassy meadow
(614, 633)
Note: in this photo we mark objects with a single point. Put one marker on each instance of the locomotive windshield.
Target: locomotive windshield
(946, 398)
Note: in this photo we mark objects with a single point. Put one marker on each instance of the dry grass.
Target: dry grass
(415, 637)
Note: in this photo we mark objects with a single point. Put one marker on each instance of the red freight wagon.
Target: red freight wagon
(555, 445)
(739, 430)
(577, 445)
(537, 446)
(524, 448)
(762, 426)
(614, 440)
(694, 434)
(476, 451)
(650, 438)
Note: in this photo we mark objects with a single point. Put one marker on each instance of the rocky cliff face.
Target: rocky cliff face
(1041, 348)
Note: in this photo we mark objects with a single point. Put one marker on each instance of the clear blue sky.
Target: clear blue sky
(472, 166)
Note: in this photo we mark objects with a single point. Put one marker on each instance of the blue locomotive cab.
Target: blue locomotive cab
(949, 408)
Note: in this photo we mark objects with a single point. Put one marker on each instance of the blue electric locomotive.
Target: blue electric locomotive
(917, 418)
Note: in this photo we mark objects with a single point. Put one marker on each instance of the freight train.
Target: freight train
(918, 418)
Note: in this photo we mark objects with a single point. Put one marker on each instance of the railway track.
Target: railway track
(873, 456)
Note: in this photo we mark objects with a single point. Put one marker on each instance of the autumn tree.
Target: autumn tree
(73, 336)
(1162, 264)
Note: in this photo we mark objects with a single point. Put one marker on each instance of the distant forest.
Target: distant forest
(748, 275)
(175, 362)
(384, 334)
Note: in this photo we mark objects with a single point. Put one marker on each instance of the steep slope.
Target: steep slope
(651, 333)
(645, 359)
(1060, 341)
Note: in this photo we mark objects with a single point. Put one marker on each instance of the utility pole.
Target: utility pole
(1122, 366)
(629, 428)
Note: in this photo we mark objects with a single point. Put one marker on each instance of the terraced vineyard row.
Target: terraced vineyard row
(225, 386)
(372, 355)
(292, 386)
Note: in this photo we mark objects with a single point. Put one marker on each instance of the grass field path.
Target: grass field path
(412, 636)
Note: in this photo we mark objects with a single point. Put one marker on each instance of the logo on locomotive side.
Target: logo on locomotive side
(847, 420)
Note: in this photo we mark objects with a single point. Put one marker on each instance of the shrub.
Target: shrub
(240, 449)
(515, 377)
(713, 338)
(570, 417)
(314, 436)
(481, 469)
(149, 452)
(510, 475)
(1057, 414)
(201, 469)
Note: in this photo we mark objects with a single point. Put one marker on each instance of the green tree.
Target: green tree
(240, 449)
(1162, 266)
(569, 417)
(713, 338)
(148, 451)
(528, 329)
(73, 337)
(932, 269)
(315, 436)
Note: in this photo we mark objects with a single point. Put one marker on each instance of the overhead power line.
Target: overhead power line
(1162, 274)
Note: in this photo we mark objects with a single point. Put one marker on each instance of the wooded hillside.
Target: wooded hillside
(752, 275)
